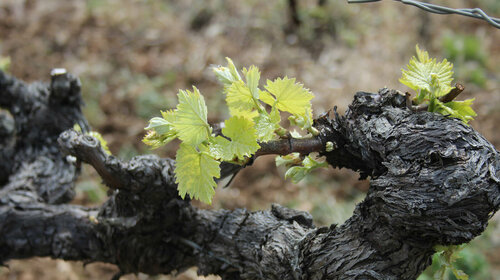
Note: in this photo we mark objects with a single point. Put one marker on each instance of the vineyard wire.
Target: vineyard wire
(432, 8)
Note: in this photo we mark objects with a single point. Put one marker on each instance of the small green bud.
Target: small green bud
(281, 131)
(296, 173)
(288, 160)
(313, 131)
(329, 146)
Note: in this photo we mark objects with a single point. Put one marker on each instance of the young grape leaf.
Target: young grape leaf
(243, 140)
(297, 173)
(169, 116)
(220, 149)
(233, 70)
(159, 125)
(227, 75)
(457, 109)
(266, 124)
(243, 136)
(161, 130)
(252, 77)
(191, 117)
(195, 172)
(295, 134)
(288, 160)
(223, 75)
(432, 80)
(240, 100)
(422, 55)
(422, 69)
(156, 140)
(288, 96)
(304, 122)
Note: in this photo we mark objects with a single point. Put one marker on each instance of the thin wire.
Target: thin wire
(432, 8)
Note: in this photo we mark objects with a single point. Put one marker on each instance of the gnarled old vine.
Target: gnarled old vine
(434, 181)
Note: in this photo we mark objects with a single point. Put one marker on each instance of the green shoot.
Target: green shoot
(431, 80)
(251, 123)
(297, 173)
(195, 171)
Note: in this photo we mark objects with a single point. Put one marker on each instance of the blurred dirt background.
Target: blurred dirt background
(133, 56)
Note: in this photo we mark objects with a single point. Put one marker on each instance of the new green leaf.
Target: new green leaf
(161, 130)
(155, 140)
(227, 75)
(169, 116)
(432, 80)
(240, 100)
(195, 172)
(220, 149)
(252, 77)
(191, 117)
(427, 74)
(304, 122)
(243, 142)
(159, 125)
(297, 173)
(288, 160)
(457, 109)
(288, 96)
(266, 124)
(164, 124)
(243, 136)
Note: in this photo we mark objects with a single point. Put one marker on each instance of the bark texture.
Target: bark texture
(434, 181)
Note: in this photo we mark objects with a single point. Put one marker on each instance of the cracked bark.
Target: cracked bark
(433, 181)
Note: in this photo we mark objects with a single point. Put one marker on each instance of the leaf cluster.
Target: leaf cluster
(255, 118)
(431, 80)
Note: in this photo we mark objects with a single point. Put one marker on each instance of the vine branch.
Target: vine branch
(290, 145)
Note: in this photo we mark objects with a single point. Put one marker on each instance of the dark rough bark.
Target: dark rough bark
(433, 181)
(31, 119)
